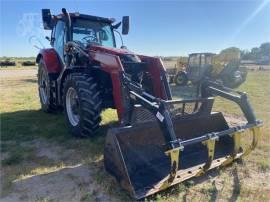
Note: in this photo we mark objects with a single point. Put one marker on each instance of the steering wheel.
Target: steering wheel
(90, 38)
(79, 43)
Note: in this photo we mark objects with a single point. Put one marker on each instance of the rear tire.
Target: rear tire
(82, 104)
(181, 79)
(44, 88)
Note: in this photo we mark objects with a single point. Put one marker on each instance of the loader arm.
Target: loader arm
(212, 88)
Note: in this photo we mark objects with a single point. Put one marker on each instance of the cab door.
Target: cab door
(194, 67)
(59, 38)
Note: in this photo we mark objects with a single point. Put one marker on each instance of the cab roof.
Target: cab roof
(87, 17)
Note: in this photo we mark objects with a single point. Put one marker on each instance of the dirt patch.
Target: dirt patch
(58, 178)
(234, 120)
(14, 73)
(70, 183)
(59, 185)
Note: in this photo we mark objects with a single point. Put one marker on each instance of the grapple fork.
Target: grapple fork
(175, 144)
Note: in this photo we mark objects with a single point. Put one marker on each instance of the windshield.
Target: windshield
(93, 32)
(194, 59)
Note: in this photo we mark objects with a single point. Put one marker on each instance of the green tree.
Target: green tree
(255, 53)
(265, 49)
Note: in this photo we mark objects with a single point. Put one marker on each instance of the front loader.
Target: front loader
(159, 141)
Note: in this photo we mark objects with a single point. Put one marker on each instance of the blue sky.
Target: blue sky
(167, 28)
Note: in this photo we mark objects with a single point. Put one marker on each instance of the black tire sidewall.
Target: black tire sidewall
(183, 77)
(46, 107)
(70, 82)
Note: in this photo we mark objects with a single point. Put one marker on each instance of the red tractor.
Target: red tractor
(159, 140)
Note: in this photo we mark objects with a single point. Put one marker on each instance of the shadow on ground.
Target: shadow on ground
(27, 124)
(46, 162)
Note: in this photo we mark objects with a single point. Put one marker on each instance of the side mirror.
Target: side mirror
(125, 25)
(47, 19)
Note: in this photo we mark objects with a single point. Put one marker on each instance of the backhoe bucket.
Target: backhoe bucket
(137, 156)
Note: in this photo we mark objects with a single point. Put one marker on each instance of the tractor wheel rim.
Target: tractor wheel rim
(72, 106)
(179, 79)
(43, 87)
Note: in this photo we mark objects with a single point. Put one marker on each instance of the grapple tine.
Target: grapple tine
(237, 144)
(237, 148)
(174, 155)
(210, 144)
(255, 138)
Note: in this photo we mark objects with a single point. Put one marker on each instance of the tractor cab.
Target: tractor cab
(200, 59)
(86, 30)
(198, 65)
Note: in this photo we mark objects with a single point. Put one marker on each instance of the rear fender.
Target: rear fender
(51, 60)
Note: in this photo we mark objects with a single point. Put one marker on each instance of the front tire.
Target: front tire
(82, 104)
(44, 88)
(181, 79)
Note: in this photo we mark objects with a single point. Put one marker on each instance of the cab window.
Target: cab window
(93, 32)
(194, 60)
(59, 38)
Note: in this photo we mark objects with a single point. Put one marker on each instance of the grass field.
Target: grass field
(40, 161)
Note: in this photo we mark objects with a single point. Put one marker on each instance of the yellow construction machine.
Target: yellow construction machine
(224, 67)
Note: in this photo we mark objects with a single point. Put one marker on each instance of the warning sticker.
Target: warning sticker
(160, 117)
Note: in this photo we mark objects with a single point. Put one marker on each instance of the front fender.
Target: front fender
(51, 60)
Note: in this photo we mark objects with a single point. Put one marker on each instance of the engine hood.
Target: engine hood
(113, 51)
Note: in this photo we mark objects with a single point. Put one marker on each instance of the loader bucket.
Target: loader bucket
(135, 154)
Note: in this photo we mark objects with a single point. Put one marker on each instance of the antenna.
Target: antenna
(31, 41)
(122, 46)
